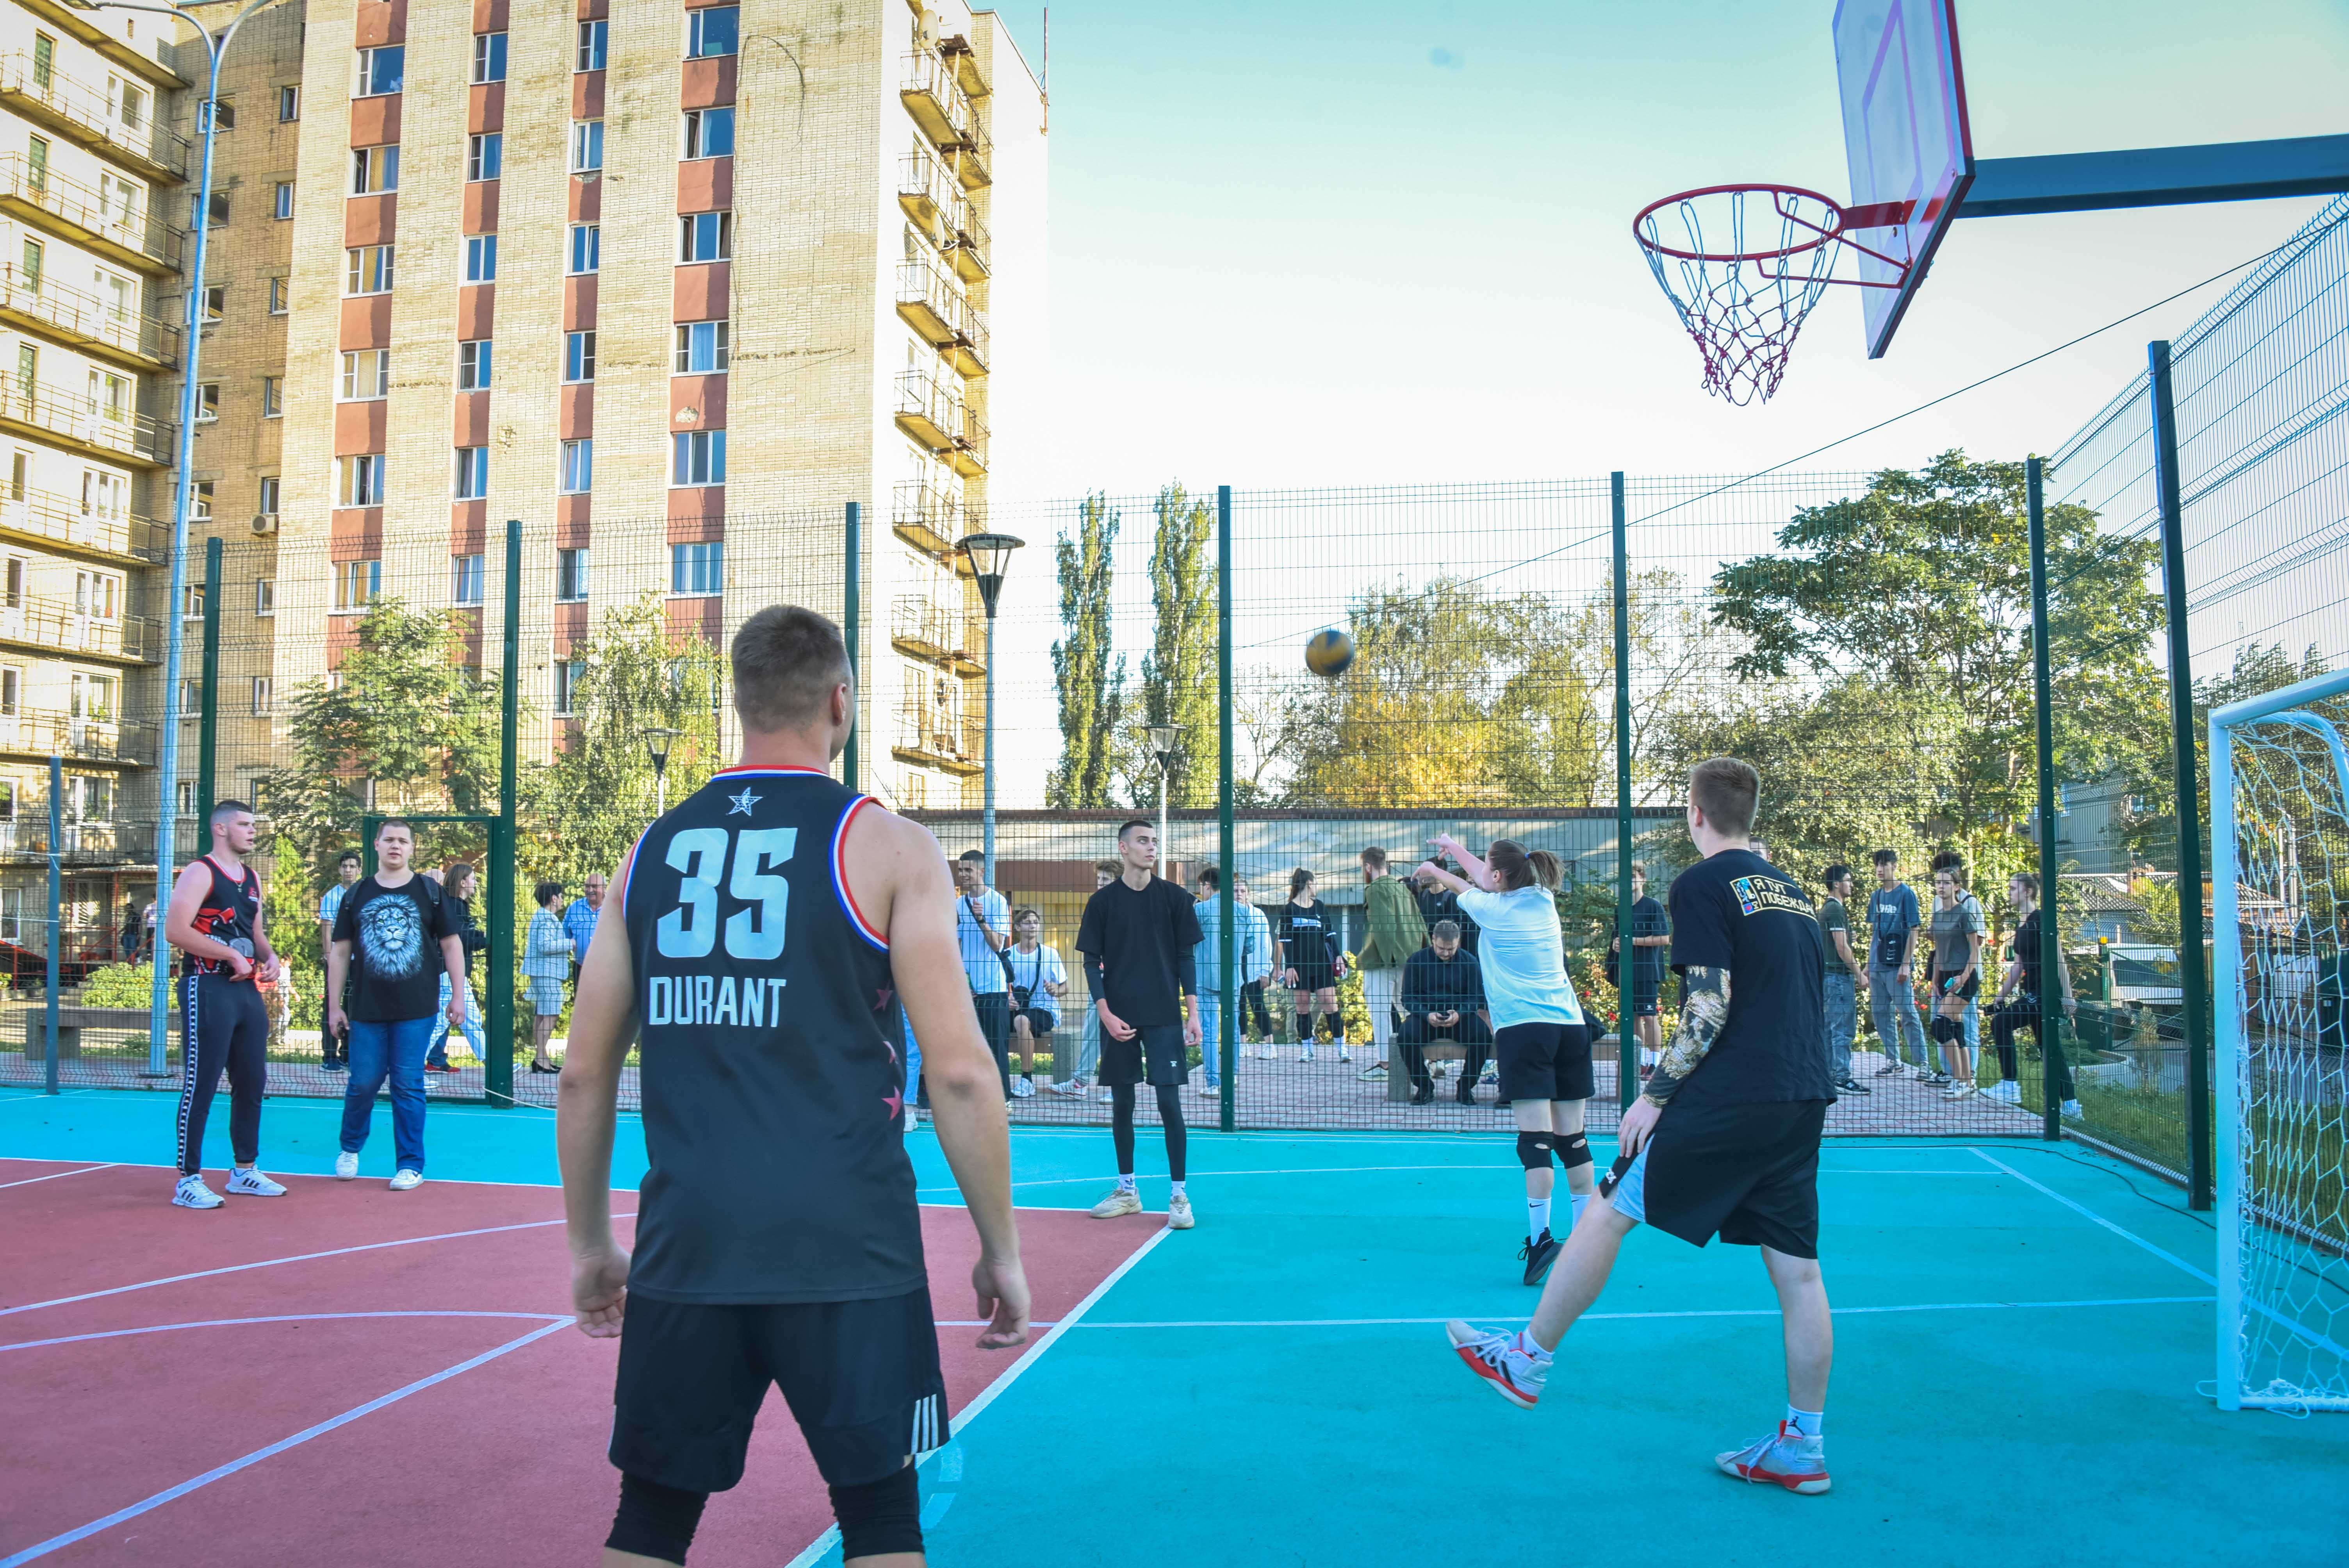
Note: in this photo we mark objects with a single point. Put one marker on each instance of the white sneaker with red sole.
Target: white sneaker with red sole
(1785, 1458)
(1493, 1355)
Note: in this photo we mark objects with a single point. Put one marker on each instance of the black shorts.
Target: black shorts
(1644, 1002)
(1969, 990)
(1158, 1047)
(862, 1379)
(1041, 1024)
(1747, 1173)
(1312, 978)
(1545, 1061)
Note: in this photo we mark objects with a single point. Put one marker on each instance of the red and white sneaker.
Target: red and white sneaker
(1785, 1458)
(1493, 1355)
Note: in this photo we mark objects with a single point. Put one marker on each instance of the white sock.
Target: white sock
(1580, 1201)
(1807, 1423)
(1125, 1182)
(1179, 1192)
(1526, 1344)
(1536, 1216)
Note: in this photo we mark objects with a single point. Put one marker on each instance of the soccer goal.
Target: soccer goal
(2279, 817)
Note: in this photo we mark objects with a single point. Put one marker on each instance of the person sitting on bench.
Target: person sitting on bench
(1444, 1003)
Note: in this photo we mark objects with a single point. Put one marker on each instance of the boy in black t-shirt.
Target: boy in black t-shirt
(1139, 938)
(1725, 1138)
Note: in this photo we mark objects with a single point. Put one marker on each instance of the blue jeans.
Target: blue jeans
(1897, 1023)
(1088, 1045)
(396, 1049)
(1842, 1020)
(437, 1053)
(1211, 1010)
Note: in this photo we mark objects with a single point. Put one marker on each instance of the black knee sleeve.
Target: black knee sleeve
(1573, 1149)
(881, 1516)
(655, 1521)
(1331, 1026)
(1948, 1031)
(1533, 1149)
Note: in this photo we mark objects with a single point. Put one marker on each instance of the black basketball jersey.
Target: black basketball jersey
(773, 1063)
(1306, 935)
(231, 910)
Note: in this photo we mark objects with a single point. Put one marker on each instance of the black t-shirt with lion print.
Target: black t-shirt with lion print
(395, 935)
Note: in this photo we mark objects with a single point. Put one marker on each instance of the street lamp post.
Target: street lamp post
(990, 554)
(166, 751)
(1162, 746)
(656, 745)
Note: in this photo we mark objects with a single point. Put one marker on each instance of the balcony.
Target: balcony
(974, 156)
(41, 733)
(52, 625)
(40, 304)
(929, 192)
(48, 199)
(47, 518)
(80, 113)
(942, 634)
(967, 455)
(930, 518)
(971, 245)
(26, 837)
(953, 742)
(933, 305)
(930, 409)
(927, 88)
(957, 54)
(106, 430)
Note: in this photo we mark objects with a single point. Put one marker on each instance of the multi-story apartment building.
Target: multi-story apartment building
(94, 175)
(671, 282)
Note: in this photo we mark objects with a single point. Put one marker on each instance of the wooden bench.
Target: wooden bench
(72, 1021)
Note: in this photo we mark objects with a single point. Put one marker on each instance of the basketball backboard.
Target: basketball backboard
(1904, 126)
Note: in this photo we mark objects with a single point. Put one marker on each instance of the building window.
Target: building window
(223, 114)
(469, 577)
(200, 500)
(586, 246)
(273, 397)
(706, 237)
(701, 347)
(375, 170)
(20, 469)
(35, 252)
(485, 154)
(698, 568)
(265, 596)
(370, 270)
(481, 258)
(45, 63)
(579, 357)
(489, 57)
(592, 45)
(474, 362)
(568, 674)
(260, 696)
(285, 208)
(701, 458)
(278, 295)
(215, 301)
(381, 71)
(37, 162)
(289, 104)
(98, 595)
(587, 146)
(578, 467)
(191, 602)
(269, 494)
(571, 575)
(357, 583)
(472, 472)
(126, 102)
(366, 374)
(219, 208)
(712, 31)
(359, 479)
(207, 402)
(709, 133)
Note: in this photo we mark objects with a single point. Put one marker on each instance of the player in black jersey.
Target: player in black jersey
(769, 928)
(215, 919)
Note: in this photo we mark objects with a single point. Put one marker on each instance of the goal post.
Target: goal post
(2280, 906)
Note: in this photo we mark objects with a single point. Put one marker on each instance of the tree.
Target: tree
(1088, 679)
(1178, 674)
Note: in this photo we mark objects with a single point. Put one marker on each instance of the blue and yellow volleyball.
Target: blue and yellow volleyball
(1329, 651)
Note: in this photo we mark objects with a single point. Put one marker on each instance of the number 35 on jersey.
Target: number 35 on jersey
(715, 977)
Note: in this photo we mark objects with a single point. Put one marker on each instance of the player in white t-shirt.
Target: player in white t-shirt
(1540, 1038)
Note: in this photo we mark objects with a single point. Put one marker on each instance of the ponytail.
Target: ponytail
(1518, 867)
(1296, 881)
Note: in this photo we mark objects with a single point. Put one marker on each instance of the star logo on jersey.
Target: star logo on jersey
(881, 999)
(743, 802)
(895, 1103)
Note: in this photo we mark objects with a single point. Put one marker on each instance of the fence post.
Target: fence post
(851, 610)
(2193, 974)
(1228, 1025)
(2043, 702)
(1627, 1044)
(499, 1086)
(56, 908)
(208, 727)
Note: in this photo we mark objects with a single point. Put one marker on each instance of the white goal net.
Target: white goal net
(2279, 816)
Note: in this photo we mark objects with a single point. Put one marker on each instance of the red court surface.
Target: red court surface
(500, 1461)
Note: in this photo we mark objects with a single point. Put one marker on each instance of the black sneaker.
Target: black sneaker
(1423, 1093)
(1467, 1093)
(1541, 1253)
(1938, 1080)
(1853, 1086)
(1888, 1069)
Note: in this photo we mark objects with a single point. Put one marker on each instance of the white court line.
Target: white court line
(816, 1549)
(273, 1263)
(283, 1317)
(170, 1493)
(55, 1174)
(1352, 1169)
(1644, 1316)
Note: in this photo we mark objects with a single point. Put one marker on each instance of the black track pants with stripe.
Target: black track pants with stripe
(223, 1024)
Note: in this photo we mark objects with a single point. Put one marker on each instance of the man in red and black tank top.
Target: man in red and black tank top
(214, 920)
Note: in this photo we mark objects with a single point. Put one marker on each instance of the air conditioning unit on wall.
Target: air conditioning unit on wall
(265, 522)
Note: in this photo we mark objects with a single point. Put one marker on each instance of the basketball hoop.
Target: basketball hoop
(1742, 292)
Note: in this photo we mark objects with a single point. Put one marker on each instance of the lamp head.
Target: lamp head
(990, 555)
(656, 745)
(1162, 740)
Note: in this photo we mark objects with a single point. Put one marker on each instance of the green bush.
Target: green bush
(120, 985)
(309, 991)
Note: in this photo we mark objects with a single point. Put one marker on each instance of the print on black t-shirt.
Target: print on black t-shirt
(395, 935)
(1734, 911)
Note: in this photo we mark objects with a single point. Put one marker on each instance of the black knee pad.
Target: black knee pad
(1331, 1026)
(1948, 1031)
(1573, 1149)
(881, 1516)
(1533, 1149)
(655, 1521)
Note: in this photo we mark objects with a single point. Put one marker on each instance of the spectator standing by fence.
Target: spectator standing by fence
(1037, 978)
(579, 921)
(1254, 941)
(1444, 1003)
(1959, 930)
(1208, 960)
(1089, 1037)
(2022, 982)
(546, 958)
(332, 1054)
(1841, 980)
(392, 932)
(1396, 933)
(1892, 923)
(983, 926)
(457, 887)
(1651, 935)
(1312, 962)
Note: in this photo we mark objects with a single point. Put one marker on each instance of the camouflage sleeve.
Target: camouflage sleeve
(1703, 1013)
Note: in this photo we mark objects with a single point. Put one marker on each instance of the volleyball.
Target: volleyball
(1329, 651)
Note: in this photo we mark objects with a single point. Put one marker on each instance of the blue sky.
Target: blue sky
(1317, 243)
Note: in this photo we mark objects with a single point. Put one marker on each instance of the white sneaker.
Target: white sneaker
(1493, 1355)
(407, 1181)
(1375, 1073)
(913, 1116)
(1307, 1056)
(347, 1165)
(2072, 1108)
(1490, 1074)
(1105, 1097)
(1065, 1089)
(1178, 1213)
(191, 1193)
(248, 1183)
(1023, 1088)
(1960, 1092)
(1121, 1201)
(1344, 1055)
(2006, 1089)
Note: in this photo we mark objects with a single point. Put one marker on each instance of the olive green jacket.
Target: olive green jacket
(1397, 930)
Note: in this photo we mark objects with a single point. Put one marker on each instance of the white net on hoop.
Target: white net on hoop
(1744, 309)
